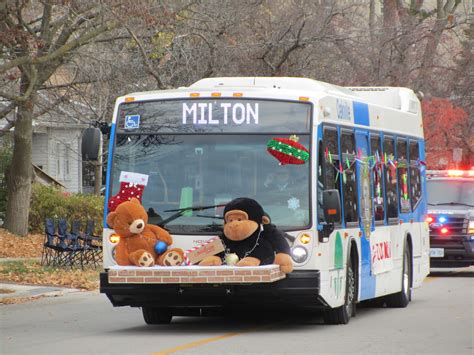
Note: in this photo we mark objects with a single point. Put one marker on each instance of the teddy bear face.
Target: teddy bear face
(128, 219)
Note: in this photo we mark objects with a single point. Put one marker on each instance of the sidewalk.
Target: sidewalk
(12, 291)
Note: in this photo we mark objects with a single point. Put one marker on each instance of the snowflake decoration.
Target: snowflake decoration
(293, 203)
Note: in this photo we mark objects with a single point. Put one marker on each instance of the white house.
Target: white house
(56, 145)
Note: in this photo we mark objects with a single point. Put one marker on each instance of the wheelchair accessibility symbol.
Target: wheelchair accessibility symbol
(132, 121)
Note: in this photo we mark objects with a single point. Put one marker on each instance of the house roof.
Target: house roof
(51, 111)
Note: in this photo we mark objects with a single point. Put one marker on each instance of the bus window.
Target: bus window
(390, 178)
(331, 160)
(377, 176)
(415, 176)
(349, 184)
(402, 175)
(320, 186)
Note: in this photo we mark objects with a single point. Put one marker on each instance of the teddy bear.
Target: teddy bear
(139, 241)
(250, 237)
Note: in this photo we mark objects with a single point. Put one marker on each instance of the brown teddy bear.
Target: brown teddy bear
(250, 239)
(138, 239)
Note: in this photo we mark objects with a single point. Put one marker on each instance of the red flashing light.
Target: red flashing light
(451, 173)
(455, 172)
(429, 219)
(444, 230)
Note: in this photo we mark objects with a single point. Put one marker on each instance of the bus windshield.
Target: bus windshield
(203, 168)
(450, 191)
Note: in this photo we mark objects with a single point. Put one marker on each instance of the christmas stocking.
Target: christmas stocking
(131, 185)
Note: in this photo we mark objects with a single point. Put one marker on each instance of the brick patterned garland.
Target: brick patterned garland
(195, 274)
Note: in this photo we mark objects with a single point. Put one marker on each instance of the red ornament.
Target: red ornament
(288, 150)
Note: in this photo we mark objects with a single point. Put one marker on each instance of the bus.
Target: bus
(354, 214)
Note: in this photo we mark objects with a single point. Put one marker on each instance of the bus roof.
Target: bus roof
(282, 83)
(397, 98)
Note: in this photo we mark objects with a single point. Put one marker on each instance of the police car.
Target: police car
(451, 217)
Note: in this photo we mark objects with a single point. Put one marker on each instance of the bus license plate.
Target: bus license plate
(436, 252)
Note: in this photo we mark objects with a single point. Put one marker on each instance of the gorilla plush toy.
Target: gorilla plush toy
(249, 234)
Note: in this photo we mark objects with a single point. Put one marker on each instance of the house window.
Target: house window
(67, 163)
(58, 160)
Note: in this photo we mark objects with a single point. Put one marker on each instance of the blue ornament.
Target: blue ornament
(160, 247)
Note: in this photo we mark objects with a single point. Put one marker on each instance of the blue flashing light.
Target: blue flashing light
(442, 219)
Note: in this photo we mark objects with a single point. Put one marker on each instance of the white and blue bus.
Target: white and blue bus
(353, 208)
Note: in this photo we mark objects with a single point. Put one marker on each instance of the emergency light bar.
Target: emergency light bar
(451, 173)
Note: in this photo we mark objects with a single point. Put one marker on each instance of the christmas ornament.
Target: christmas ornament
(131, 185)
(231, 259)
(288, 150)
(160, 247)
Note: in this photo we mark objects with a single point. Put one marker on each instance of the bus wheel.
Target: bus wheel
(342, 314)
(154, 315)
(402, 298)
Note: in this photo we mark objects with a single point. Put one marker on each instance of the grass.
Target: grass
(32, 272)
(27, 269)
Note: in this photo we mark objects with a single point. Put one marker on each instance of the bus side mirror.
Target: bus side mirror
(332, 206)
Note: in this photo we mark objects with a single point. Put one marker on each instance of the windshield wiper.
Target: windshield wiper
(181, 211)
(212, 228)
(450, 203)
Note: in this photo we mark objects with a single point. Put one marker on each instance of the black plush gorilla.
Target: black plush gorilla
(249, 235)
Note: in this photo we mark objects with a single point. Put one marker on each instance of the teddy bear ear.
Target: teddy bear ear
(111, 218)
(135, 200)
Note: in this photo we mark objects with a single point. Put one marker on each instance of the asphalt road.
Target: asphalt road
(439, 320)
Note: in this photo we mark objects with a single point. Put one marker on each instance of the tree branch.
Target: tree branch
(6, 110)
(32, 77)
(61, 51)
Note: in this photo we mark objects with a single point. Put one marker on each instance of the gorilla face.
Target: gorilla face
(237, 226)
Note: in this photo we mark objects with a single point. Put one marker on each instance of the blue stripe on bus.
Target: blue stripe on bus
(361, 113)
(367, 279)
(109, 171)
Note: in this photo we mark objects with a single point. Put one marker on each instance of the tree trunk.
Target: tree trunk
(98, 176)
(19, 174)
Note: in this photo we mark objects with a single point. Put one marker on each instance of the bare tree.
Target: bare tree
(38, 38)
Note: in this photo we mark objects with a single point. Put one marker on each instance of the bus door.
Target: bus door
(366, 221)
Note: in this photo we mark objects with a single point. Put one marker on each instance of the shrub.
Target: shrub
(49, 202)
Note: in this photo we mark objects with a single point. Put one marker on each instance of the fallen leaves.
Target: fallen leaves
(13, 246)
(30, 271)
(33, 273)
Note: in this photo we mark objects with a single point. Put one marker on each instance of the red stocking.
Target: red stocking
(131, 185)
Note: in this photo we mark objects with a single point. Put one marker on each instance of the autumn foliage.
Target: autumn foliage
(446, 128)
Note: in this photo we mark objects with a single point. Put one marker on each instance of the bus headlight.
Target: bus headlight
(470, 228)
(299, 254)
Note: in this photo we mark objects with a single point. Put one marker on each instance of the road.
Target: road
(439, 320)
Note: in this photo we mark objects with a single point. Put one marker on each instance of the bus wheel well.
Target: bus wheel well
(408, 240)
(354, 255)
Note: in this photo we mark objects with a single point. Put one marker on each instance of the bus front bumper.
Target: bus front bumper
(299, 288)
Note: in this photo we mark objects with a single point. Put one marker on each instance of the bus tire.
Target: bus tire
(155, 315)
(342, 314)
(402, 298)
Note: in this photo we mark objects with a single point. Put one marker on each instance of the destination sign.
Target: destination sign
(235, 113)
(215, 116)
